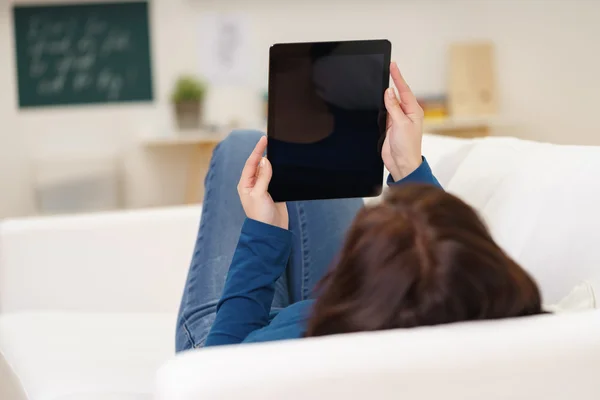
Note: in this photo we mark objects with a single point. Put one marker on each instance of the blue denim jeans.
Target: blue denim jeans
(318, 229)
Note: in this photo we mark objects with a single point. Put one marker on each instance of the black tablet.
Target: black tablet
(326, 119)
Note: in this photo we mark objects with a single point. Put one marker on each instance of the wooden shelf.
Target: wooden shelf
(202, 144)
(199, 137)
(460, 122)
(462, 126)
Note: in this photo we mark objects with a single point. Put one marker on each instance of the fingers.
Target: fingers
(265, 172)
(393, 106)
(408, 99)
(248, 178)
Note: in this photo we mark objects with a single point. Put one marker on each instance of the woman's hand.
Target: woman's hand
(252, 188)
(401, 151)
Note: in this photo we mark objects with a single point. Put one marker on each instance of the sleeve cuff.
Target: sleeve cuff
(256, 228)
(422, 174)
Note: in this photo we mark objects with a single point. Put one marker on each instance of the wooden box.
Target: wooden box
(472, 83)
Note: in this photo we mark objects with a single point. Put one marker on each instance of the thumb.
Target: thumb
(265, 171)
(392, 105)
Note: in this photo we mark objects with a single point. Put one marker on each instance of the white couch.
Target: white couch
(88, 303)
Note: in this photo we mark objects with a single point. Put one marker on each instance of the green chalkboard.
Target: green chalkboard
(83, 53)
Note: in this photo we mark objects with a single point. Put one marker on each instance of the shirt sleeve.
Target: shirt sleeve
(422, 174)
(259, 260)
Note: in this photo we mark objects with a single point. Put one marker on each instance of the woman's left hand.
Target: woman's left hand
(253, 186)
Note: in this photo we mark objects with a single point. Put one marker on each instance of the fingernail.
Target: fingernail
(390, 93)
(262, 162)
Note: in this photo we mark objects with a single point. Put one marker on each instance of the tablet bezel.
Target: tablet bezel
(353, 47)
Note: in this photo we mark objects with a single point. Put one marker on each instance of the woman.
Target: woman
(421, 257)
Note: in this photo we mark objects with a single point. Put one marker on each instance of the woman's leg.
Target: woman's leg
(220, 226)
(318, 228)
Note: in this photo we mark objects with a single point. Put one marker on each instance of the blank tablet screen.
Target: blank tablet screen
(327, 119)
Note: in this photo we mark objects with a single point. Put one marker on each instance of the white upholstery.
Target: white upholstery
(87, 303)
(544, 357)
(84, 356)
(132, 261)
(541, 202)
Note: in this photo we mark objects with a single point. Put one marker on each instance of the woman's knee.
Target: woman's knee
(239, 143)
(230, 155)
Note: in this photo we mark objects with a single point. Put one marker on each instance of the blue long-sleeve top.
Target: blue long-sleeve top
(261, 256)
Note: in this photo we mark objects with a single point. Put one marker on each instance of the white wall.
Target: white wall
(548, 58)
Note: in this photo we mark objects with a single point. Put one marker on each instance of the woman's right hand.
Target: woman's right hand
(401, 151)
(253, 186)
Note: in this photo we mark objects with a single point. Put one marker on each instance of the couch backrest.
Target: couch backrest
(122, 262)
(541, 202)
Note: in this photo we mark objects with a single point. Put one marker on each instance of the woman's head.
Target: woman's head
(420, 257)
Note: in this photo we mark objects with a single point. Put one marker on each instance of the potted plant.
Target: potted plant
(188, 98)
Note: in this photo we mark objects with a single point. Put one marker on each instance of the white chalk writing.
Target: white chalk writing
(72, 55)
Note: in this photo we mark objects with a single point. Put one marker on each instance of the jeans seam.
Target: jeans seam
(304, 248)
(200, 344)
(187, 331)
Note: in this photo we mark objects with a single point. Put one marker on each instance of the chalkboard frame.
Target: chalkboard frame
(140, 91)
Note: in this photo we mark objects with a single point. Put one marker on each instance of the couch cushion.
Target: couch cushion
(60, 356)
(541, 202)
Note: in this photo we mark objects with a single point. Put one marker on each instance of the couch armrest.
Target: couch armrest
(133, 261)
(545, 357)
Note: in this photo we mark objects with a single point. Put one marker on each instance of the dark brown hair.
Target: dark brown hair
(420, 257)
